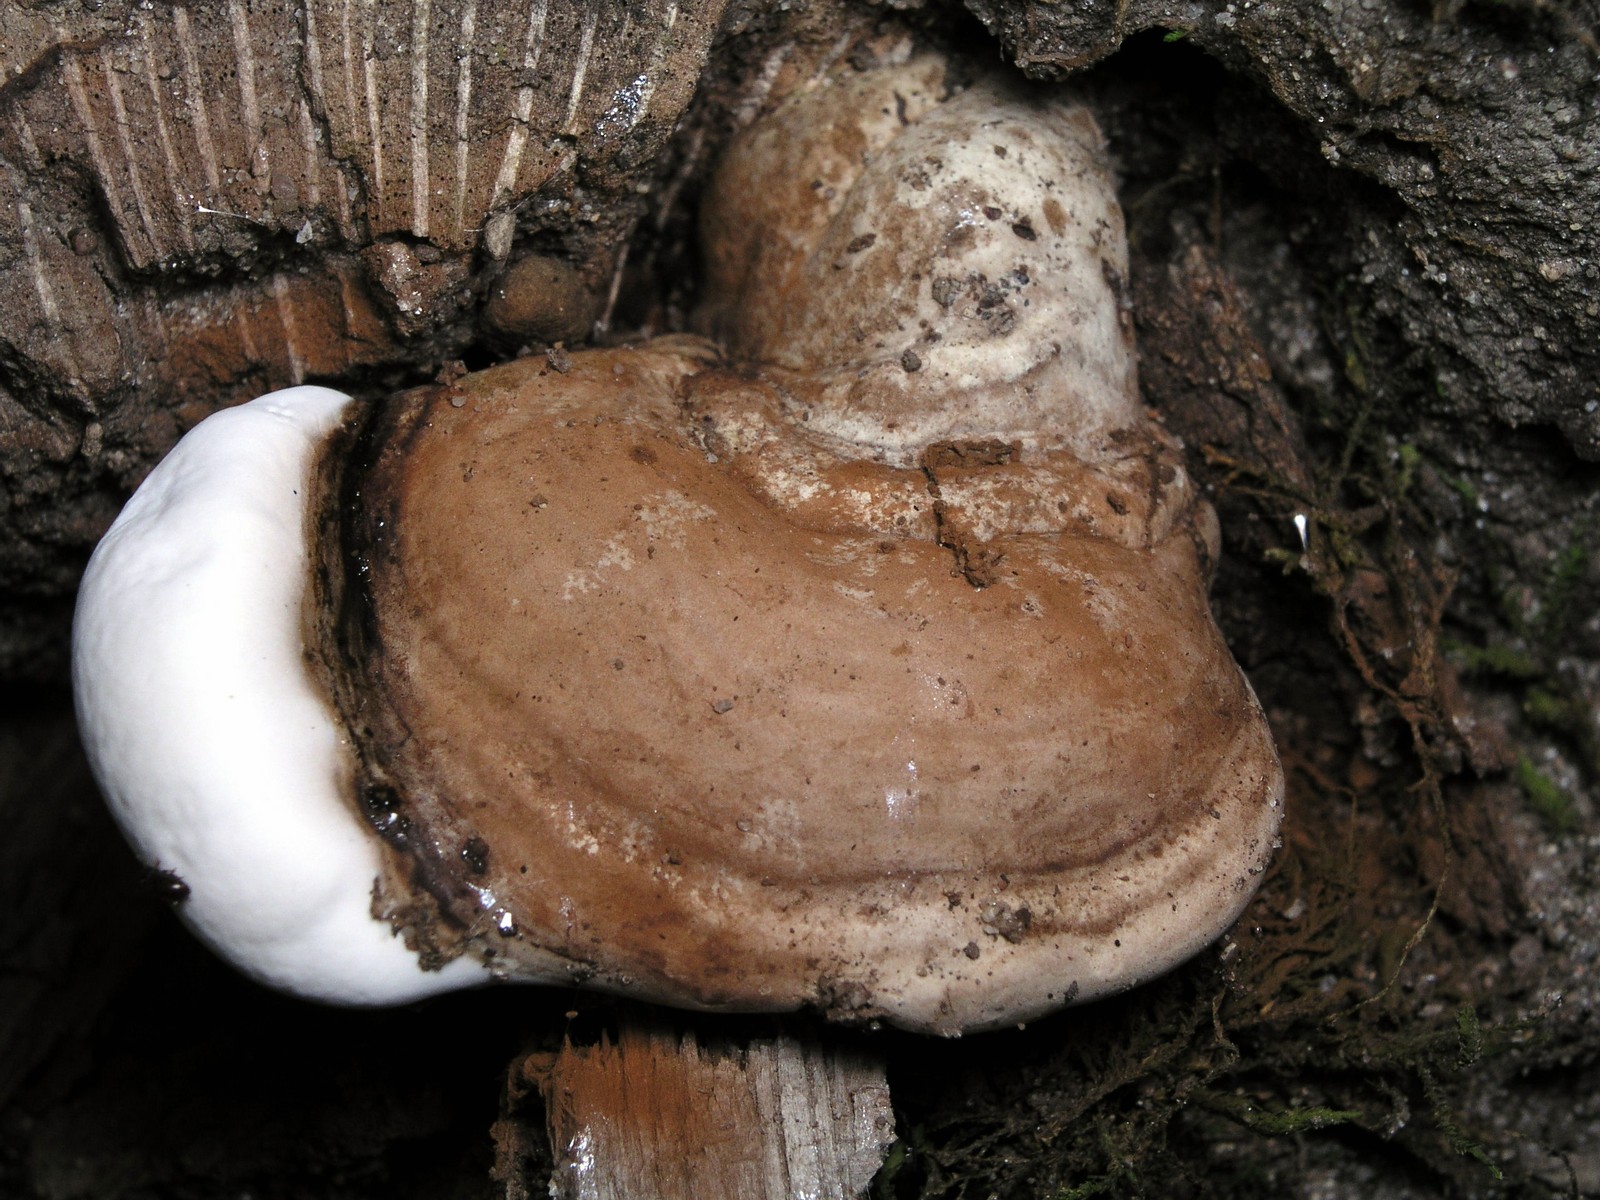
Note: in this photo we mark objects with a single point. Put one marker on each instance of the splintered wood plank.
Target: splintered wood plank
(655, 1115)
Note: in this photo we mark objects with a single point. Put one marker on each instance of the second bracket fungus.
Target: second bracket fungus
(858, 660)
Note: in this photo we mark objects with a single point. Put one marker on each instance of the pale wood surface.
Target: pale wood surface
(655, 1115)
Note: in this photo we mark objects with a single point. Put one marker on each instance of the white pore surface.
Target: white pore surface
(218, 754)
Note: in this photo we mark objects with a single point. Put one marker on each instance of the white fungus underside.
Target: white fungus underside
(219, 758)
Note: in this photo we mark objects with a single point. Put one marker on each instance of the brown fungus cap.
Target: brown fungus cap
(667, 679)
(929, 265)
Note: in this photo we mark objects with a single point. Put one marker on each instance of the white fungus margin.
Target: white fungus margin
(219, 756)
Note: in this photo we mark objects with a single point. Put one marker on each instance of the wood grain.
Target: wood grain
(653, 1114)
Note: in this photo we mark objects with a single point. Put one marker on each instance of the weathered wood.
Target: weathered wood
(655, 1115)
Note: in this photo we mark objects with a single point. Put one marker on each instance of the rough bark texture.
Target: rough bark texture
(1478, 128)
(1365, 285)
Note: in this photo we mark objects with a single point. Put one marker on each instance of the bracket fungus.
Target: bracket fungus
(858, 659)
